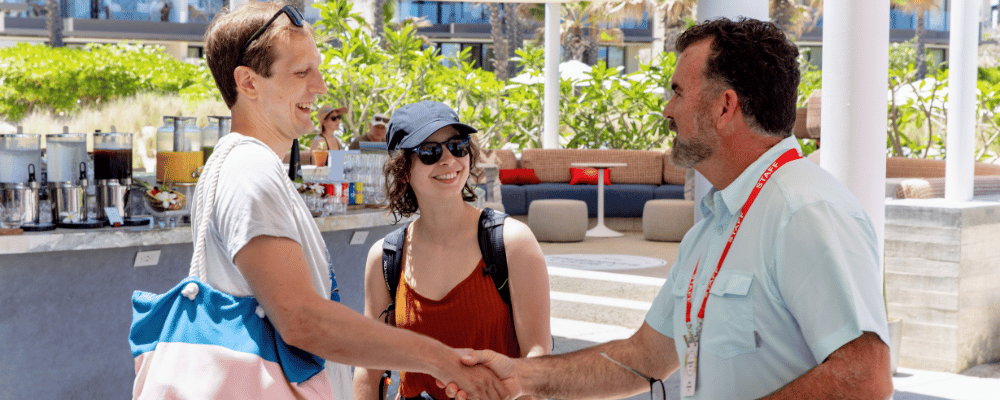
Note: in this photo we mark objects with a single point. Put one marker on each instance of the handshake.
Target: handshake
(492, 377)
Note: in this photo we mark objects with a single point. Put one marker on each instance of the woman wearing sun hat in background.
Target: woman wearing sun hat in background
(329, 126)
(444, 290)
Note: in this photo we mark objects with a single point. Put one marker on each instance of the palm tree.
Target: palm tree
(500, 53)
(54, 22)
(378, 23)
(919, 7)
(796, 17)
(676, 15)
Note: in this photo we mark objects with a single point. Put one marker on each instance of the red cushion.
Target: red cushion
(587, 176)
(520, 176)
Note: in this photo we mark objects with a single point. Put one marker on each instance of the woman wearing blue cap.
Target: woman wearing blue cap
(447, 285)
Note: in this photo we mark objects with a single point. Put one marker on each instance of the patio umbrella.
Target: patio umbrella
(572, 70)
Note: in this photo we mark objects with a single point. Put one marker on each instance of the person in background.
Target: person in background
(329, 126)
(262, 240)
(788, 307)
(444, 288)
(376, 132)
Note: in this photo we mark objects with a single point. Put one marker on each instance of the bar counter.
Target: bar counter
(65, 298)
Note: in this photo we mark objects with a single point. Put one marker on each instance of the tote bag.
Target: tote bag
(196, 342)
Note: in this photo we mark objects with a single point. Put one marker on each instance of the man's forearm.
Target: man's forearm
(858, 370)
(586, 374)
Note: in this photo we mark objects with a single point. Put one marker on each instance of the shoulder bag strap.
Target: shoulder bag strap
(210, 170)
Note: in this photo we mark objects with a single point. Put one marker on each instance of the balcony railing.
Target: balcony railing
(198, 11)
(438, 12)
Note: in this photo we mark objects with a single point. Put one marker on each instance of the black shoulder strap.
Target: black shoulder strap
(494, 252)
(392, 257)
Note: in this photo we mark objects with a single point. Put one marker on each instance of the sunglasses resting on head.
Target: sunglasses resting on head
(293, 15)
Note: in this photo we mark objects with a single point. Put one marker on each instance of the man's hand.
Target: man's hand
(476, 382)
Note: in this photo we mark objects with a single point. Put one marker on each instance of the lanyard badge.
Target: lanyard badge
(689, 381)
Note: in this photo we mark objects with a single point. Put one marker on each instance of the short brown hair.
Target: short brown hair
(402, 200)
(230, 30)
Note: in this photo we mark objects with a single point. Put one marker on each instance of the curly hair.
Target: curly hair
(402, 200)
(756, 60)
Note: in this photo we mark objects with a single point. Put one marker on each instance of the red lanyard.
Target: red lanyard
(789, 155)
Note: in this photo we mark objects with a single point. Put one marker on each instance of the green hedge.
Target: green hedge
(61, 80)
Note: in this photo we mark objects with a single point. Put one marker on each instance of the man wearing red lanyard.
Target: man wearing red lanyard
(777, 291)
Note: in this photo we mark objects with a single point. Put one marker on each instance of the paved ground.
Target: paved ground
(590, 307)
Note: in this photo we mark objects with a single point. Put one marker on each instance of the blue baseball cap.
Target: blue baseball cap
(413, 123)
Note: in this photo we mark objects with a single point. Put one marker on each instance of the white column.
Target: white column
(550, 135)
(963, 46)
(709, 9)
(182, 11)
(234, 4)
(855, 76)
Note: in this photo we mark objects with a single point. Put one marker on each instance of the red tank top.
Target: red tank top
(472, 315)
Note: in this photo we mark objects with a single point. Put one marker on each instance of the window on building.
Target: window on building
(196, 52)
(450, 52)
(813, 55)
(612, 56)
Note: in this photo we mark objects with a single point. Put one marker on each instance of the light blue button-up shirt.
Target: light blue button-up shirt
(803, 278)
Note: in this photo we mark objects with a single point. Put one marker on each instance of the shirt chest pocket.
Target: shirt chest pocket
(728, 329)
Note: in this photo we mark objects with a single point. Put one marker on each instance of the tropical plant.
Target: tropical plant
(914, 104)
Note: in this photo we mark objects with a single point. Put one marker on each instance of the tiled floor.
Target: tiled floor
(572, 334)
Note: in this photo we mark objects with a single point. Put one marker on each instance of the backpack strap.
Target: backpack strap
(494, 253)
(392, 259)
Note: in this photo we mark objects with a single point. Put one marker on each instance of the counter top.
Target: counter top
(106, 238)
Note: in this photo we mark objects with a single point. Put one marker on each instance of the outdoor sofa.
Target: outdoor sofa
(920, 178)
(649, 175)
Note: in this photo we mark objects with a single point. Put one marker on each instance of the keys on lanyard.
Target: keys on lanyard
(689, 381)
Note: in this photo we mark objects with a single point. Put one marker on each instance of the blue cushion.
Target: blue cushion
(512, 197)
(669, 192)
(620, 200)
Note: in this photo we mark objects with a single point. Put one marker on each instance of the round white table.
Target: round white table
(600, 230)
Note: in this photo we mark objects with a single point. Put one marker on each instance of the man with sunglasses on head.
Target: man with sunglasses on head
(262, 240)
(376, 132)
(790, 305)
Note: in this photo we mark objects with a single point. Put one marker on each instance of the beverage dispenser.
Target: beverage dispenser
(20, 177)
(67, 159)
(178, 151)
(113, 175)
(179, 155)
(218, 126)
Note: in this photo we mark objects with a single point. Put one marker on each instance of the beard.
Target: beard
(687, 153)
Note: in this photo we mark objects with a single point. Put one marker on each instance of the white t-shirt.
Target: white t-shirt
(255, 197)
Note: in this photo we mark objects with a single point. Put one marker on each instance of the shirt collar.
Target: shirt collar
(737, 193)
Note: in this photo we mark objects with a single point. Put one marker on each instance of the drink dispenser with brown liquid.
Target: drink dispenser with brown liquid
(113, 175)
(66, 156)
(20, 177)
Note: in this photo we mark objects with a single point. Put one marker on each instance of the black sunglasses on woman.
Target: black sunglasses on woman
(430, 152)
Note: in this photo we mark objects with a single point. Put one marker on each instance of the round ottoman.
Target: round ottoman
(667, 220)
(558, 220)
